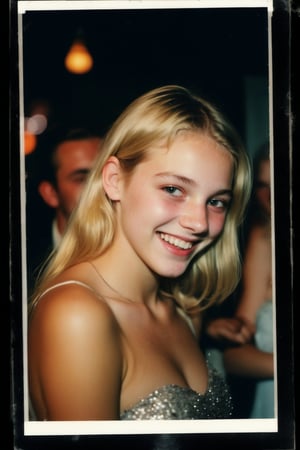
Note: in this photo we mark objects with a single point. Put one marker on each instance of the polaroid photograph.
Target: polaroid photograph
(77, 69)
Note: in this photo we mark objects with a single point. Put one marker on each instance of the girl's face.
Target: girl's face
(175, 202)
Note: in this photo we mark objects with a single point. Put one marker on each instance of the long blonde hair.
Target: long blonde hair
(155, 116)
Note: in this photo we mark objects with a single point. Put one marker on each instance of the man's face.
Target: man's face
(75, 159)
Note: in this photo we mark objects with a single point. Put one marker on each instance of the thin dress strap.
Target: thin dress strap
(63, 283)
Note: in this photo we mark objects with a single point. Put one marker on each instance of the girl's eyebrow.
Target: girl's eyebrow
(190, 182)
(180, 178)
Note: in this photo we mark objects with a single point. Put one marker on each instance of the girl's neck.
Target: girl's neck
(126, 281)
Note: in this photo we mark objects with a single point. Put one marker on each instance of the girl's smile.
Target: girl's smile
(187, 191)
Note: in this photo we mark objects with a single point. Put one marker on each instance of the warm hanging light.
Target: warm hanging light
(78, 60)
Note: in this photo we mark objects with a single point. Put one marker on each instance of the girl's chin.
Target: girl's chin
(175, 273)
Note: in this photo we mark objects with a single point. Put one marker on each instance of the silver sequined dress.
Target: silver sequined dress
(175, 402)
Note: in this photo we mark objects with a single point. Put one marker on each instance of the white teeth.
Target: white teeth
(175, 241)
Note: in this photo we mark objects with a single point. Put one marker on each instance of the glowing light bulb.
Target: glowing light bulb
(78, 60)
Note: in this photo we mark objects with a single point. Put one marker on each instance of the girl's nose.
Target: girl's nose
(194, 217)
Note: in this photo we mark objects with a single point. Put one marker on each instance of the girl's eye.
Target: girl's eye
(217, 203)
(173, 190)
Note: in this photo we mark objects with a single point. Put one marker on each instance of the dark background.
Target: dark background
(220, 53)
(210, 50)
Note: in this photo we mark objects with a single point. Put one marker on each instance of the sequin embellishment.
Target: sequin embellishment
(176, 402)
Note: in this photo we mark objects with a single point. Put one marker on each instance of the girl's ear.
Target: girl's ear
(48, 194)
(111, 176)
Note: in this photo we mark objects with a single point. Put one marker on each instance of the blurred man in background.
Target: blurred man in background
(56, 174)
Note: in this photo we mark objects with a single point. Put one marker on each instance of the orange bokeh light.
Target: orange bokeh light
(29, 142)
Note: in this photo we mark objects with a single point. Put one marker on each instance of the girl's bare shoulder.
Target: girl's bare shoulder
(74, 350)
(72, 302)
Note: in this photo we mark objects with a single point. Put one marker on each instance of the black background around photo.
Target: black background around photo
(222, 54)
